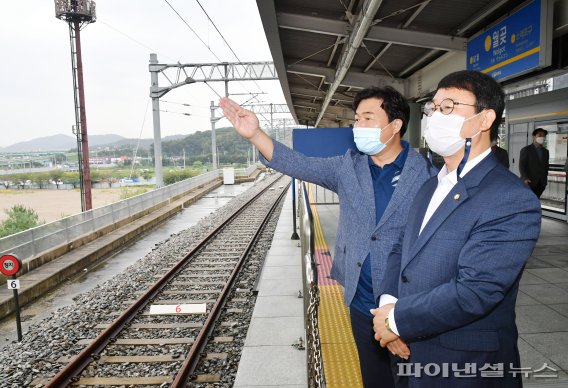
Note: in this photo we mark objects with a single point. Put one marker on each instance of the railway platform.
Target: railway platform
(542, 312)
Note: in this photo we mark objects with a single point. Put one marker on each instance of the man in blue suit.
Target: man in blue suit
(448, 302)
(375, 188)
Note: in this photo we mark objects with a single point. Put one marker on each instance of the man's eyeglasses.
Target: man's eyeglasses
(446, 106)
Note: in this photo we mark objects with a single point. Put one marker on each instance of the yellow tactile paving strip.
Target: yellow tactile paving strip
(340, 359)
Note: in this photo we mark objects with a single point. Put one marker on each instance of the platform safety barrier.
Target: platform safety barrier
(321, 195)
(556, 187)
(316, 376)
(32, 242)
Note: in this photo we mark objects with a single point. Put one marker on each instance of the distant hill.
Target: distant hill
(144, 143)
(58, 143)
(197, 147)
(67, 142)
(127, 143)
(48, 143)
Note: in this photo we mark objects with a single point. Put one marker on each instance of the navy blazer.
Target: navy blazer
(350, 177)
(457, 281)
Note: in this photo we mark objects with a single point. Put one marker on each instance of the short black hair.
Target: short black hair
(537, 130)
(394, 103)
(488, 93)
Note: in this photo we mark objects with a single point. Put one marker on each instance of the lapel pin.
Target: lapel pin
(457, 197)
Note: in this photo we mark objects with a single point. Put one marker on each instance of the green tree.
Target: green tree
(8, 181)
(71, 178)
(232, 148)
(19, 219)
(174, 176)
(108, 176)
(56, 176)
(41, 179)
(96, 176)
(147, 175)
(22, 179)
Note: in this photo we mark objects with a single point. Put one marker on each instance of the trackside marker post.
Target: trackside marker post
(9, 266)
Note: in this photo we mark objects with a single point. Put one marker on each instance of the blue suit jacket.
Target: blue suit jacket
(350, 177)
(457, 281)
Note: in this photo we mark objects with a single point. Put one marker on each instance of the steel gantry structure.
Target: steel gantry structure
(179, 74)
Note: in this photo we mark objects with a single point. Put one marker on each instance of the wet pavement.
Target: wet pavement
(63, 296)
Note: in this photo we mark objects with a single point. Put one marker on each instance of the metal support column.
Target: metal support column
(272, 123)
(413, 131)
(294, 233)
(213, 138)
(156, 121)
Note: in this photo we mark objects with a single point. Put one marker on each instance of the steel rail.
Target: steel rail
(192, 359)
(70, 373)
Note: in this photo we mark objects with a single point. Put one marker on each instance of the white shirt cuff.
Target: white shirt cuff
(386, 299)
(392, 323)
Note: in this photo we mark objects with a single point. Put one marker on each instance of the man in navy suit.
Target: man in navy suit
(448, 299)
(375, 188)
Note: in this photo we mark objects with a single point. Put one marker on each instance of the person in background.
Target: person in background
(500, 153)
(448, 299)
(375, 186)
(533, 163)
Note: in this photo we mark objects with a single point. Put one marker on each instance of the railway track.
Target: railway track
(159, 340)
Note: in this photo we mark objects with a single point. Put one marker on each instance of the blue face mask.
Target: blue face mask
(368, 140)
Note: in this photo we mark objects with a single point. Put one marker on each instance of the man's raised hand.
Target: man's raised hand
(245, 122)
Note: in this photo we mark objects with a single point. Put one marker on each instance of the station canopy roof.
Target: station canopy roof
(327, 50)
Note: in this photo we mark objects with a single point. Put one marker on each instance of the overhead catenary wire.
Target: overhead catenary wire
(209, 48)
(219, 32)
(224, 40)
(174, 102)
(185, 104)
(133, 39)
(201, 40)
(192, 30)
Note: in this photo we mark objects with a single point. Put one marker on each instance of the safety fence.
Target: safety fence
(32, 242)
(316, 377)
(556, 187)
(321, 195)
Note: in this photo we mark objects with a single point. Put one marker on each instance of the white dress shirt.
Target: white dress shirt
(446, 182)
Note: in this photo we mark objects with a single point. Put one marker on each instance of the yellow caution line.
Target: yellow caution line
(320, 241)
(339, 353)
(511, 60)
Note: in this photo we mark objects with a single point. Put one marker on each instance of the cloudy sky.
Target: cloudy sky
(37, 95)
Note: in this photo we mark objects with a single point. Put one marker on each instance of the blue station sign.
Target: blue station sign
(516, 45)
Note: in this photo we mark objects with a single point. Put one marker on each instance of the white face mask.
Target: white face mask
(368, 140)
(540, 140)
(443, 133)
